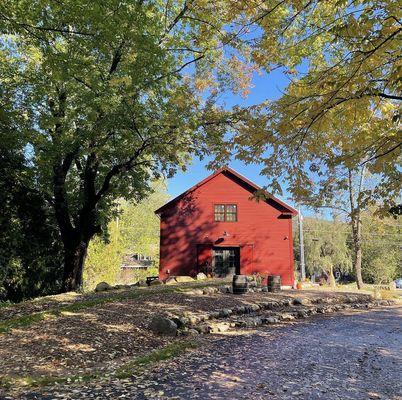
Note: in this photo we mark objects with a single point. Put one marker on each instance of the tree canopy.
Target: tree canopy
(110, 95)
(342, 104)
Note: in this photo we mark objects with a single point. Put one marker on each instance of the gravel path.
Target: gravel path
(351, 356)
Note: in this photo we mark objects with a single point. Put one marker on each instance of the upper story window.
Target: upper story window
(225, 212)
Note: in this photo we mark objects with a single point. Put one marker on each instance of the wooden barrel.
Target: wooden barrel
(274, 283)
(240, 284)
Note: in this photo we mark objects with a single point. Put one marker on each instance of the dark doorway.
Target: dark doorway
(226, 261)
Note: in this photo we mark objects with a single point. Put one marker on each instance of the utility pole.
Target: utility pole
(301, 239)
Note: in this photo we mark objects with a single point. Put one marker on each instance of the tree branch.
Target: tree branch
(118, 168)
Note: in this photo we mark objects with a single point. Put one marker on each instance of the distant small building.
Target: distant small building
(136, 262)
(216, 227)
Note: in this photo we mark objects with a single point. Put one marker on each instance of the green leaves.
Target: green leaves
(341, 108)
(116, 87)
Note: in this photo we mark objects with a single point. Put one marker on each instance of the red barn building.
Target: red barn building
(217, 226)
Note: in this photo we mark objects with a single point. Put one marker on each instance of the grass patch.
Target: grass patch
(32, 382)
(26, 320)
(170, 351)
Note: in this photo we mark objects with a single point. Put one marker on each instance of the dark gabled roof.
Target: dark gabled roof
(289, 210)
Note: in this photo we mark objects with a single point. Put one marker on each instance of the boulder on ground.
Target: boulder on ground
(102, 287)
(299, 301)
(224, 289)
(163, 326)
(225, 312)
(204, 328)
(155, 282)
(210, 290)
(181, 322)
(171, 281)
(184, 279)
(219, 327)
(195, 292)
(201, 276)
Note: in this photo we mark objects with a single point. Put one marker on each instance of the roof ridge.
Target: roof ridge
(236, 174)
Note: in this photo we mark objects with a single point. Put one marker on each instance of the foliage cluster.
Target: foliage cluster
(134, 230)
(382, 248)
(328, 248)
(30, 249)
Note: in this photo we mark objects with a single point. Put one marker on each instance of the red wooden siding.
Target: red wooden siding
(263, 230)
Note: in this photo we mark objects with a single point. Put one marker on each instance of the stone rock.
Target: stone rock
(201, 276)
(196, 292)
(239, 309)
(102, 287)
(219, 328)
(254, 307)
(184, 279)
(156, 282)
(204, 328)
(181, 322)
(163, 326)
(298, 301)
(171, 281)
(209, 290)
(223, 289)
(192, 332)
(193, 319)
(287, 317)
(225, 312)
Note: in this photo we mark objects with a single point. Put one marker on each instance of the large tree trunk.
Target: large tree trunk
(74, 259)
(75, 237)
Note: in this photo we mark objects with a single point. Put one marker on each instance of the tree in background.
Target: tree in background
(348, 191)
(382, 245)
(29, 242)
(105, 257)
(134, 230)
(325, 247)
(140, 226)
(329, 246)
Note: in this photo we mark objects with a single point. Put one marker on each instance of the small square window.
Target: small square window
(225, 212)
